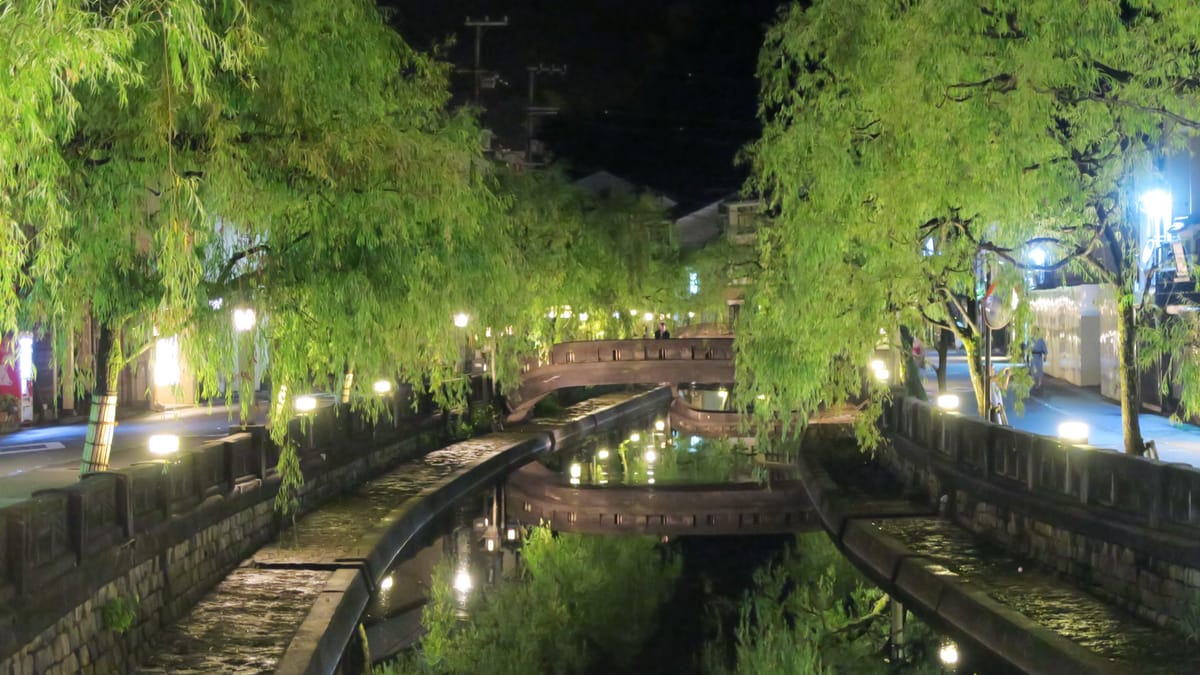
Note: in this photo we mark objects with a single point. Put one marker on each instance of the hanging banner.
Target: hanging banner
(10, 379)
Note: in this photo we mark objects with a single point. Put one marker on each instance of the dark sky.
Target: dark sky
(660, 91)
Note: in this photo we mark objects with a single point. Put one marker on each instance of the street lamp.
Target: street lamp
(243, 319)
(947, 401)
(1074, 432)
(948, 654)
(461, 319)
(305, 405)
(163, 444)
(243, 323)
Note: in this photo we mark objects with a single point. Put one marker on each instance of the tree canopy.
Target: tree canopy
(179, 160)
(986, 127)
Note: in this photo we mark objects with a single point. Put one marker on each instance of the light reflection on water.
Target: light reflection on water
(650, 451)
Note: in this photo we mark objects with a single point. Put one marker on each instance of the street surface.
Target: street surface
(46, 457)
(1060, 401)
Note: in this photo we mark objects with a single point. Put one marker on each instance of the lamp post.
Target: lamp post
(243, 324)
(305, 405)
(460, 321)
(383, 389)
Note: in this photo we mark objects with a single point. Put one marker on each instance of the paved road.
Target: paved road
(44, 457)
(1061, 401)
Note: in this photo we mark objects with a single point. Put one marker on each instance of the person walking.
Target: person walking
(1037, 362)
(998, 413)
(662, 333)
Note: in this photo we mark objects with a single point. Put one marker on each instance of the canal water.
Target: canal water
(469, 563)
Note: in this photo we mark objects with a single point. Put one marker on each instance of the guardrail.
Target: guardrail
(598, 351)
(1135, 490)
(58, 530)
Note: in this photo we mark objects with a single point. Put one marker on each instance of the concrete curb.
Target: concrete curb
(945, 598)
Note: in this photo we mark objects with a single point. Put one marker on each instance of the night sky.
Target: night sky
(659, 91)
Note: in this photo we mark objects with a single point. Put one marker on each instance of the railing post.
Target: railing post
(1085, 482)
(1030, 462)
(1158, 497)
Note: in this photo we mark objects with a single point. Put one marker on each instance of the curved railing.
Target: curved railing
(1131, 490)
(600, 362)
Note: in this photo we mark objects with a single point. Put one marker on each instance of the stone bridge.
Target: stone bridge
(578, 364)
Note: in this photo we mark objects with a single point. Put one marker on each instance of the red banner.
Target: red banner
(10, 381)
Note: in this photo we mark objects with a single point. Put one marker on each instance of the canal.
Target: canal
(489, 590)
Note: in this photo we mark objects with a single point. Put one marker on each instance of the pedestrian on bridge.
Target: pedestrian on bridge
(662, 333)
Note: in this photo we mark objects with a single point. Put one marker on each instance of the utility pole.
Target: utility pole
(533, 111)
(479, 25)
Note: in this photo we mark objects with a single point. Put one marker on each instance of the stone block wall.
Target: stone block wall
(1151, 573)
(211, 515)
(1155, 589)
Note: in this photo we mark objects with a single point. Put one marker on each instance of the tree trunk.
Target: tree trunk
(1127, 354)
(945, 339)
(103, 415)
(975, 366)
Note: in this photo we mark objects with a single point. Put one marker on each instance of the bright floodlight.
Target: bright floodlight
(878, 364)
(1075, 432)
(1038, 256)
(305, 404)
(722, 393)
(1156, 204)
(382, 386)
(659, 425)
(461, 319)
(386, 583)
(576, 470)
(462, 581)
(583, 316)
(649, 316)
(651, 456)
(163, 444)
(243, 320)
(883, 374)
(603, 454)
(511, 534)
(635, 437)
(947, 401)
(948, 654)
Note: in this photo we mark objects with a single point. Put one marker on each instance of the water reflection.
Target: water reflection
(650, 452)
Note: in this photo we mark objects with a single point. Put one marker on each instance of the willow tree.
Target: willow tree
(299, 160)
(1037, 121)
(587, 260)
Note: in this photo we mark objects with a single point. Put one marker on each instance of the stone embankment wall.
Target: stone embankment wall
(91, 572)
(1123, 527)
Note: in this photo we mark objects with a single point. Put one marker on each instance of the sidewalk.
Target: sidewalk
(46, 456)
(1060, 401)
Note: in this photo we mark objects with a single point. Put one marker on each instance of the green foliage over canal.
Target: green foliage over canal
(590, 604)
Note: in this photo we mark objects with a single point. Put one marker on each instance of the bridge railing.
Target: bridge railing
(1135, 490)
(599, 351)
